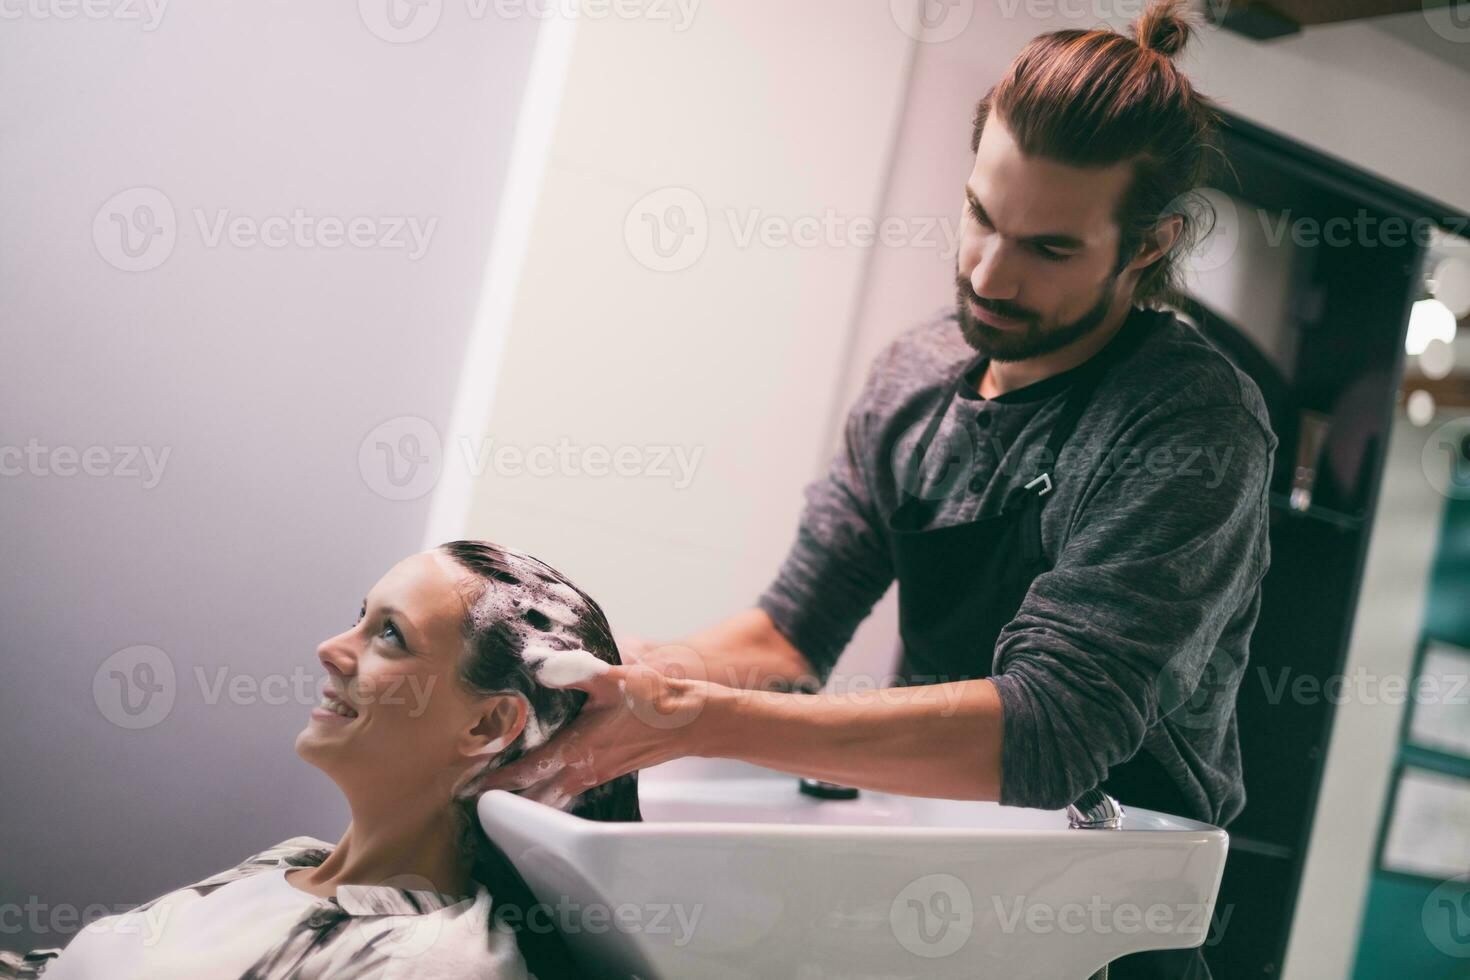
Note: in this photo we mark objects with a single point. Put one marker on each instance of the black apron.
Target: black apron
(959, 585)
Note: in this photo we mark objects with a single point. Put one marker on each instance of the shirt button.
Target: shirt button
(983, 420)
(977, 483)
(321, 918)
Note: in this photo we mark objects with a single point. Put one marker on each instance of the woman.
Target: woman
(457, 664)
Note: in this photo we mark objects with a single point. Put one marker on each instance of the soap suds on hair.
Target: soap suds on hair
(563, 591)
(541, 613)
(533, 733)
(527, 606)
(563, 668)
(558, 613)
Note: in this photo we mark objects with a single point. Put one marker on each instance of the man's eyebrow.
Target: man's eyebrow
(1056, 239)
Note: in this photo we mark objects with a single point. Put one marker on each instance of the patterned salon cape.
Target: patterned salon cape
(373, 932)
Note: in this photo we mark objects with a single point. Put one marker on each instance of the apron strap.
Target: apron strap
(1079, 394)
(932, 428)
(1089, 374)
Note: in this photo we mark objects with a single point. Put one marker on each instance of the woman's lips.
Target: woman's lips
(333, 706)
(326, 714)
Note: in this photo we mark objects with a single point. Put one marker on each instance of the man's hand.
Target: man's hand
(669, 659)
(635, 717)
(634, 648)
(885, 740)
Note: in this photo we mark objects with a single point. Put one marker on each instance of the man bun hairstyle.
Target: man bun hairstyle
(1095, 98)
(1163, 28)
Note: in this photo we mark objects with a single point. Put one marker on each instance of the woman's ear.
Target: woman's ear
(502, 717)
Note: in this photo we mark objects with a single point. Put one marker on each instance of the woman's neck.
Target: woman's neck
(394, 843)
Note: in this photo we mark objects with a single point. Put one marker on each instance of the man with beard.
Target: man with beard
(1069, 488)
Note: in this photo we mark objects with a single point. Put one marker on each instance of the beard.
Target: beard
(1028, 339)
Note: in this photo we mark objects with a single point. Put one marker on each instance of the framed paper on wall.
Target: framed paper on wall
(1428, 833)
(1439, 711)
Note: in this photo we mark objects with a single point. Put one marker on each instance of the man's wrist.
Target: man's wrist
(713, 708)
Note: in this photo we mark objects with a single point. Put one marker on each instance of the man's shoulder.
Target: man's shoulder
(930, 346)
(922, 357)
(1174, 369)
(1177, 369)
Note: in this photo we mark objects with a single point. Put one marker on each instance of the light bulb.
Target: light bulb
(1429, 320)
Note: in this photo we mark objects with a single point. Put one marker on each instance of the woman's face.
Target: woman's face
(413, 727)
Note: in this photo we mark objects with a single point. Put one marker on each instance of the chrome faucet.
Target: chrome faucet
(1095, 810)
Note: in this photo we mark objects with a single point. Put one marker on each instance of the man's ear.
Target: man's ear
(1158, 242)
(502, 717)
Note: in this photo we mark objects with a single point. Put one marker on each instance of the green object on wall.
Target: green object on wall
(1414, 926)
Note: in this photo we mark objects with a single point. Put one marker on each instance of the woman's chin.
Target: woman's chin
(315, 745)
(304, 744)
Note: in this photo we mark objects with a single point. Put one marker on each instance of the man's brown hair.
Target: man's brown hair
(1097, 98)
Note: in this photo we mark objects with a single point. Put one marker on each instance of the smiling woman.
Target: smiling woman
(457, 664)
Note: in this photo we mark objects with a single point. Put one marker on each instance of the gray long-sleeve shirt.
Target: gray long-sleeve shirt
(1156, 535)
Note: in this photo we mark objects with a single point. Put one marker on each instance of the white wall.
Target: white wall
(260, 370)
(771, 111)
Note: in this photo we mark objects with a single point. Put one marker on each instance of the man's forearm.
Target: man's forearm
(940, 740)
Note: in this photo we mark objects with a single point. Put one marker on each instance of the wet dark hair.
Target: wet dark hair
(494, 663)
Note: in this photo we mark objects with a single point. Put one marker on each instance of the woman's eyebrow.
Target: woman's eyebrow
(400, 617)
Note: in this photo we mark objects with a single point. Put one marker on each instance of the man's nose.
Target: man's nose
(993, 277)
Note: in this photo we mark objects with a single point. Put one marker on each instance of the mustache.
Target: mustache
(1010, 314)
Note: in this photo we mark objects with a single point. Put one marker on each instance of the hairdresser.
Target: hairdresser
(1067, 483)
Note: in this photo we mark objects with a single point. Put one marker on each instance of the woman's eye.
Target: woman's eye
(389, 630)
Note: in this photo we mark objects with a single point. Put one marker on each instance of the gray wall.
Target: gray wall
(259, 370)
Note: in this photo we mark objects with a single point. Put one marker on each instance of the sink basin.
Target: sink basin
(748, 877)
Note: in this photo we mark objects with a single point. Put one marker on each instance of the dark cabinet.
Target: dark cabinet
(1349, 301)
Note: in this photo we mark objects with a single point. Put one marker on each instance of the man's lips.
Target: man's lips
(982, 313)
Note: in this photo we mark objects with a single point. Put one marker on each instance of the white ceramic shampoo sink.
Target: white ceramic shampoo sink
(748, 877)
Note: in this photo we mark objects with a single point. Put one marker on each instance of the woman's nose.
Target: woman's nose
(337, 654)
